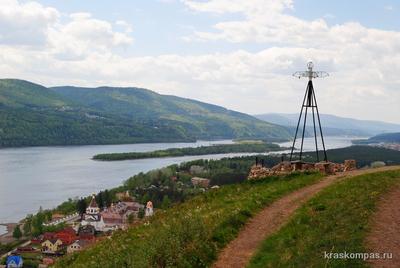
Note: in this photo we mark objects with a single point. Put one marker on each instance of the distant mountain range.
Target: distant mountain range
(334, 125)
(31, 115)
(381, 138)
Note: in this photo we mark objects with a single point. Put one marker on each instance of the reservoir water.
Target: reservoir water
(31, 177)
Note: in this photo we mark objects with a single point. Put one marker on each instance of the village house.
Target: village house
(48, 236)
(14, 261)
(67, 235)
(112, 218)
(77, 246)
(86, 232)
(57, 216)
(51, 246)
(124, 196)
(200, 182)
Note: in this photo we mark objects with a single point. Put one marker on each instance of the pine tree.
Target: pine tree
(107, 198)
(100, 200)
(28, 225)
(81, 206)
(17, 234)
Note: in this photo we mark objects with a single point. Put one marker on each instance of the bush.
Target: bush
(378, 164)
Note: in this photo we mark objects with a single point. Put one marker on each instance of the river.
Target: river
(31, 177)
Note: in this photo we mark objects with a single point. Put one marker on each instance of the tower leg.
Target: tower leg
(304, 129)
(315, 134)
(320, 128)
(298, 123)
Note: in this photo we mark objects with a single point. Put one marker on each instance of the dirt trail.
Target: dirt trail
(239, 251)
(385, 231)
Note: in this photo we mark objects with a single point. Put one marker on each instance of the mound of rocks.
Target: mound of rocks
(258, 171)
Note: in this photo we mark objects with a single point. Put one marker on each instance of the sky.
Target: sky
(234, 53)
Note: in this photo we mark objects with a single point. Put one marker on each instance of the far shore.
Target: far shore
(7, 237)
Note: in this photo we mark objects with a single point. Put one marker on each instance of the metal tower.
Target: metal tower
(309, 101)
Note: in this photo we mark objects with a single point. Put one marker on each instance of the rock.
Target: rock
(325, 167)
(349, 164)
(286, 167)
(258, 172)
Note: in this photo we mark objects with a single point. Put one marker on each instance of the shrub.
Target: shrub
(378, 164)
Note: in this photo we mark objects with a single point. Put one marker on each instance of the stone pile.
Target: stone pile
(285, 167)
(258, 171)
(349, 165)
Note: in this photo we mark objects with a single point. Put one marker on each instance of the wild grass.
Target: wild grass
(336, 220)
(189, 234)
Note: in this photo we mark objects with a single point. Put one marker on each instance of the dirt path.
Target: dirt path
(239, 251)
(385, 231)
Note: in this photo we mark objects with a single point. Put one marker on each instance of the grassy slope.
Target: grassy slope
(206, 224)
(336, 220)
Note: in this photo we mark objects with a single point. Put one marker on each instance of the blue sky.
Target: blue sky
(234, 53)
(159, 25)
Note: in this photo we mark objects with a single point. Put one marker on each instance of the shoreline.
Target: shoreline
(7, 237)
(180, 158)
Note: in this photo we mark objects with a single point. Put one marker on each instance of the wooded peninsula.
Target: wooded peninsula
(260, 147)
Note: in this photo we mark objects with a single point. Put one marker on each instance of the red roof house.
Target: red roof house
(67, 235)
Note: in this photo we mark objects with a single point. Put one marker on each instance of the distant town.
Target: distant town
(78, 230)
(66, 234)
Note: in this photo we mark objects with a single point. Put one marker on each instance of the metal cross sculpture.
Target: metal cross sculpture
(309, 101)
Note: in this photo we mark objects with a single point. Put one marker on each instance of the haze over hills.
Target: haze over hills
(334, 125)
(31, 114)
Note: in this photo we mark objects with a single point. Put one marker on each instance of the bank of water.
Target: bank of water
(31, 177)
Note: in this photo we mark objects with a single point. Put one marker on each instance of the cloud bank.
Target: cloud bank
(43, 44)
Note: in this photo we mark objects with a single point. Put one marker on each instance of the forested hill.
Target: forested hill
(31, 115)
(382, 138)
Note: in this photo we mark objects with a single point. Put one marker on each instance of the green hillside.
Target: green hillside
(206, 223)
(381, 138)
(32, 115)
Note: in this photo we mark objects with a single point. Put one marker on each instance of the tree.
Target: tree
(28, 225)
(48, 215)
(145, 198)
(81, 206)
(17, 234)
(107, 198)
(37, 224)
(99, 200)
(166, 203)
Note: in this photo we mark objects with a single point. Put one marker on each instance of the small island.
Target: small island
(239, 147)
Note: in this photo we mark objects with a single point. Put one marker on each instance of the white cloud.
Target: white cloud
(83, 35)
(364, 63)
(127, 26)
(389, 8)
(36, 27)
(25, 24)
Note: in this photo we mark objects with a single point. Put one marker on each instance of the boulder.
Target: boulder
(349, 164)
